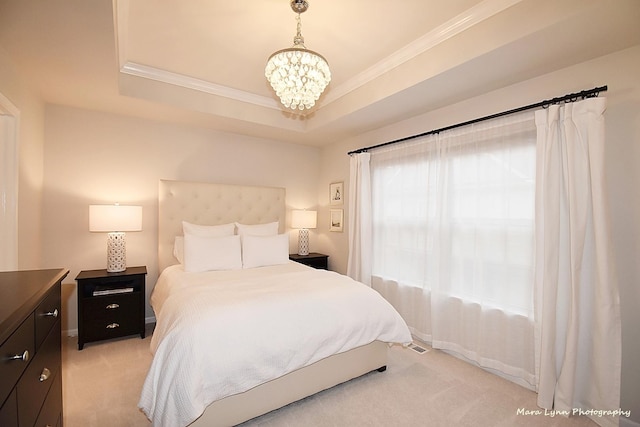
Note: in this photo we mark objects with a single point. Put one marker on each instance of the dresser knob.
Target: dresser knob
(24, 356)
(112, 306)
(46, 373)
(113, 326)
(53, 313)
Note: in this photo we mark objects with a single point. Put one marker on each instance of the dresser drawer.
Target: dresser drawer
(9, 412)
(52, 409)
(112, 316)
(38, 378)
(18, 346)
(47, 313)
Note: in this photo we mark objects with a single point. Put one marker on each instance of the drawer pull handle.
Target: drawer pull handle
(53, 313)
(46, 373)
(112, 306)
(24, 356)
(113, 326)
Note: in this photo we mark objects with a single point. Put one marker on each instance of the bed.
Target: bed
(286, 330)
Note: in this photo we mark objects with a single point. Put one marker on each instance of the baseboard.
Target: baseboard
(74, 332)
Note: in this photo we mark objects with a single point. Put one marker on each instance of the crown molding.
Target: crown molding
(440, 34)
(120, 25)
(7, 107)
(449, 29)
(181, 80)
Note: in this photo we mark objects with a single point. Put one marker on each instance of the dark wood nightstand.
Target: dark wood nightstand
(110, 305)
(314, 260)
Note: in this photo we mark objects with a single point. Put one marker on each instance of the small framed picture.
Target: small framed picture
(335, 222)
(336, 193)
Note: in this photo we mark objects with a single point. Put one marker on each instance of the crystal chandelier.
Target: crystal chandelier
(298, 75)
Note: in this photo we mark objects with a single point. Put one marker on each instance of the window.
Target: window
(455, 212)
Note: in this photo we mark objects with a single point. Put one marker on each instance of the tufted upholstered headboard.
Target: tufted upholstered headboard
(212, 204)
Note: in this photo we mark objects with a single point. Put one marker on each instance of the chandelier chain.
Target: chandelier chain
(298, 40)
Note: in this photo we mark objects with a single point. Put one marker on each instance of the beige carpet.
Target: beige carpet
(101, 385)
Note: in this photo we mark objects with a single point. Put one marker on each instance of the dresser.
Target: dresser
(30, 348)
(110, 305)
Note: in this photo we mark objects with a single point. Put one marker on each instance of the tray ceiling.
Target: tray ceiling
(202, 61)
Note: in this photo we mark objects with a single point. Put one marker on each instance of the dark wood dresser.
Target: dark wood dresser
(30, 348)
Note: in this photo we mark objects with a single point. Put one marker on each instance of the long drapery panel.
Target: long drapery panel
(577, 301)
(359, 263)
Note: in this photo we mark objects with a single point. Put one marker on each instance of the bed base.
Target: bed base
(294, 386)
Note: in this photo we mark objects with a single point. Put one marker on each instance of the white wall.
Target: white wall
(620, 72)
(93, 158)
(30, 160)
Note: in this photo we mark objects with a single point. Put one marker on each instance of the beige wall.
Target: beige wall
(620, 72)
(93, 158)
(30, 160)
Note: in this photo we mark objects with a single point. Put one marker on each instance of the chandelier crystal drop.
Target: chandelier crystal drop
(298, 75)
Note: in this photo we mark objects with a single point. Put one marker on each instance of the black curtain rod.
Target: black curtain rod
(572, 97)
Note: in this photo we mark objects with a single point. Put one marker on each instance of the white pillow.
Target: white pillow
(260, 251)
(178, 249)
(203, 253)
(269, 229)
(209, 230)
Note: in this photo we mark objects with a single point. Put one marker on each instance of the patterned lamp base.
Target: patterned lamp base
(303, 242)
(116, 252)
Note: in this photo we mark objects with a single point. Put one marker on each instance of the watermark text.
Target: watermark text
(574, 412)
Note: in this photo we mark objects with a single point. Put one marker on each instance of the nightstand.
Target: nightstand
(314, 260)
(110, 305)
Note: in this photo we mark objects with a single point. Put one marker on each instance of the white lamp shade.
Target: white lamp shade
(107, 218)
(303, 219)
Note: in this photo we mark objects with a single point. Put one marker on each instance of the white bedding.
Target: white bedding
(220, 333)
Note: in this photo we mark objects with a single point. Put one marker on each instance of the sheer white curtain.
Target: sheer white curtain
(359, 263)
(453, 239)
(577, 301)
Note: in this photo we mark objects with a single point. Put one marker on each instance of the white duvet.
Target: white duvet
(221, 333)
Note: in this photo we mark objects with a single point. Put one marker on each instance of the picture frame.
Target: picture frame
(336, 193)
(336, 220)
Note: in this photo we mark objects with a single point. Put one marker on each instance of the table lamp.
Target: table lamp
(115, 220)
(303, 220)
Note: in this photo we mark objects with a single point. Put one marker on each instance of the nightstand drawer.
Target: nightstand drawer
(111, 316)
